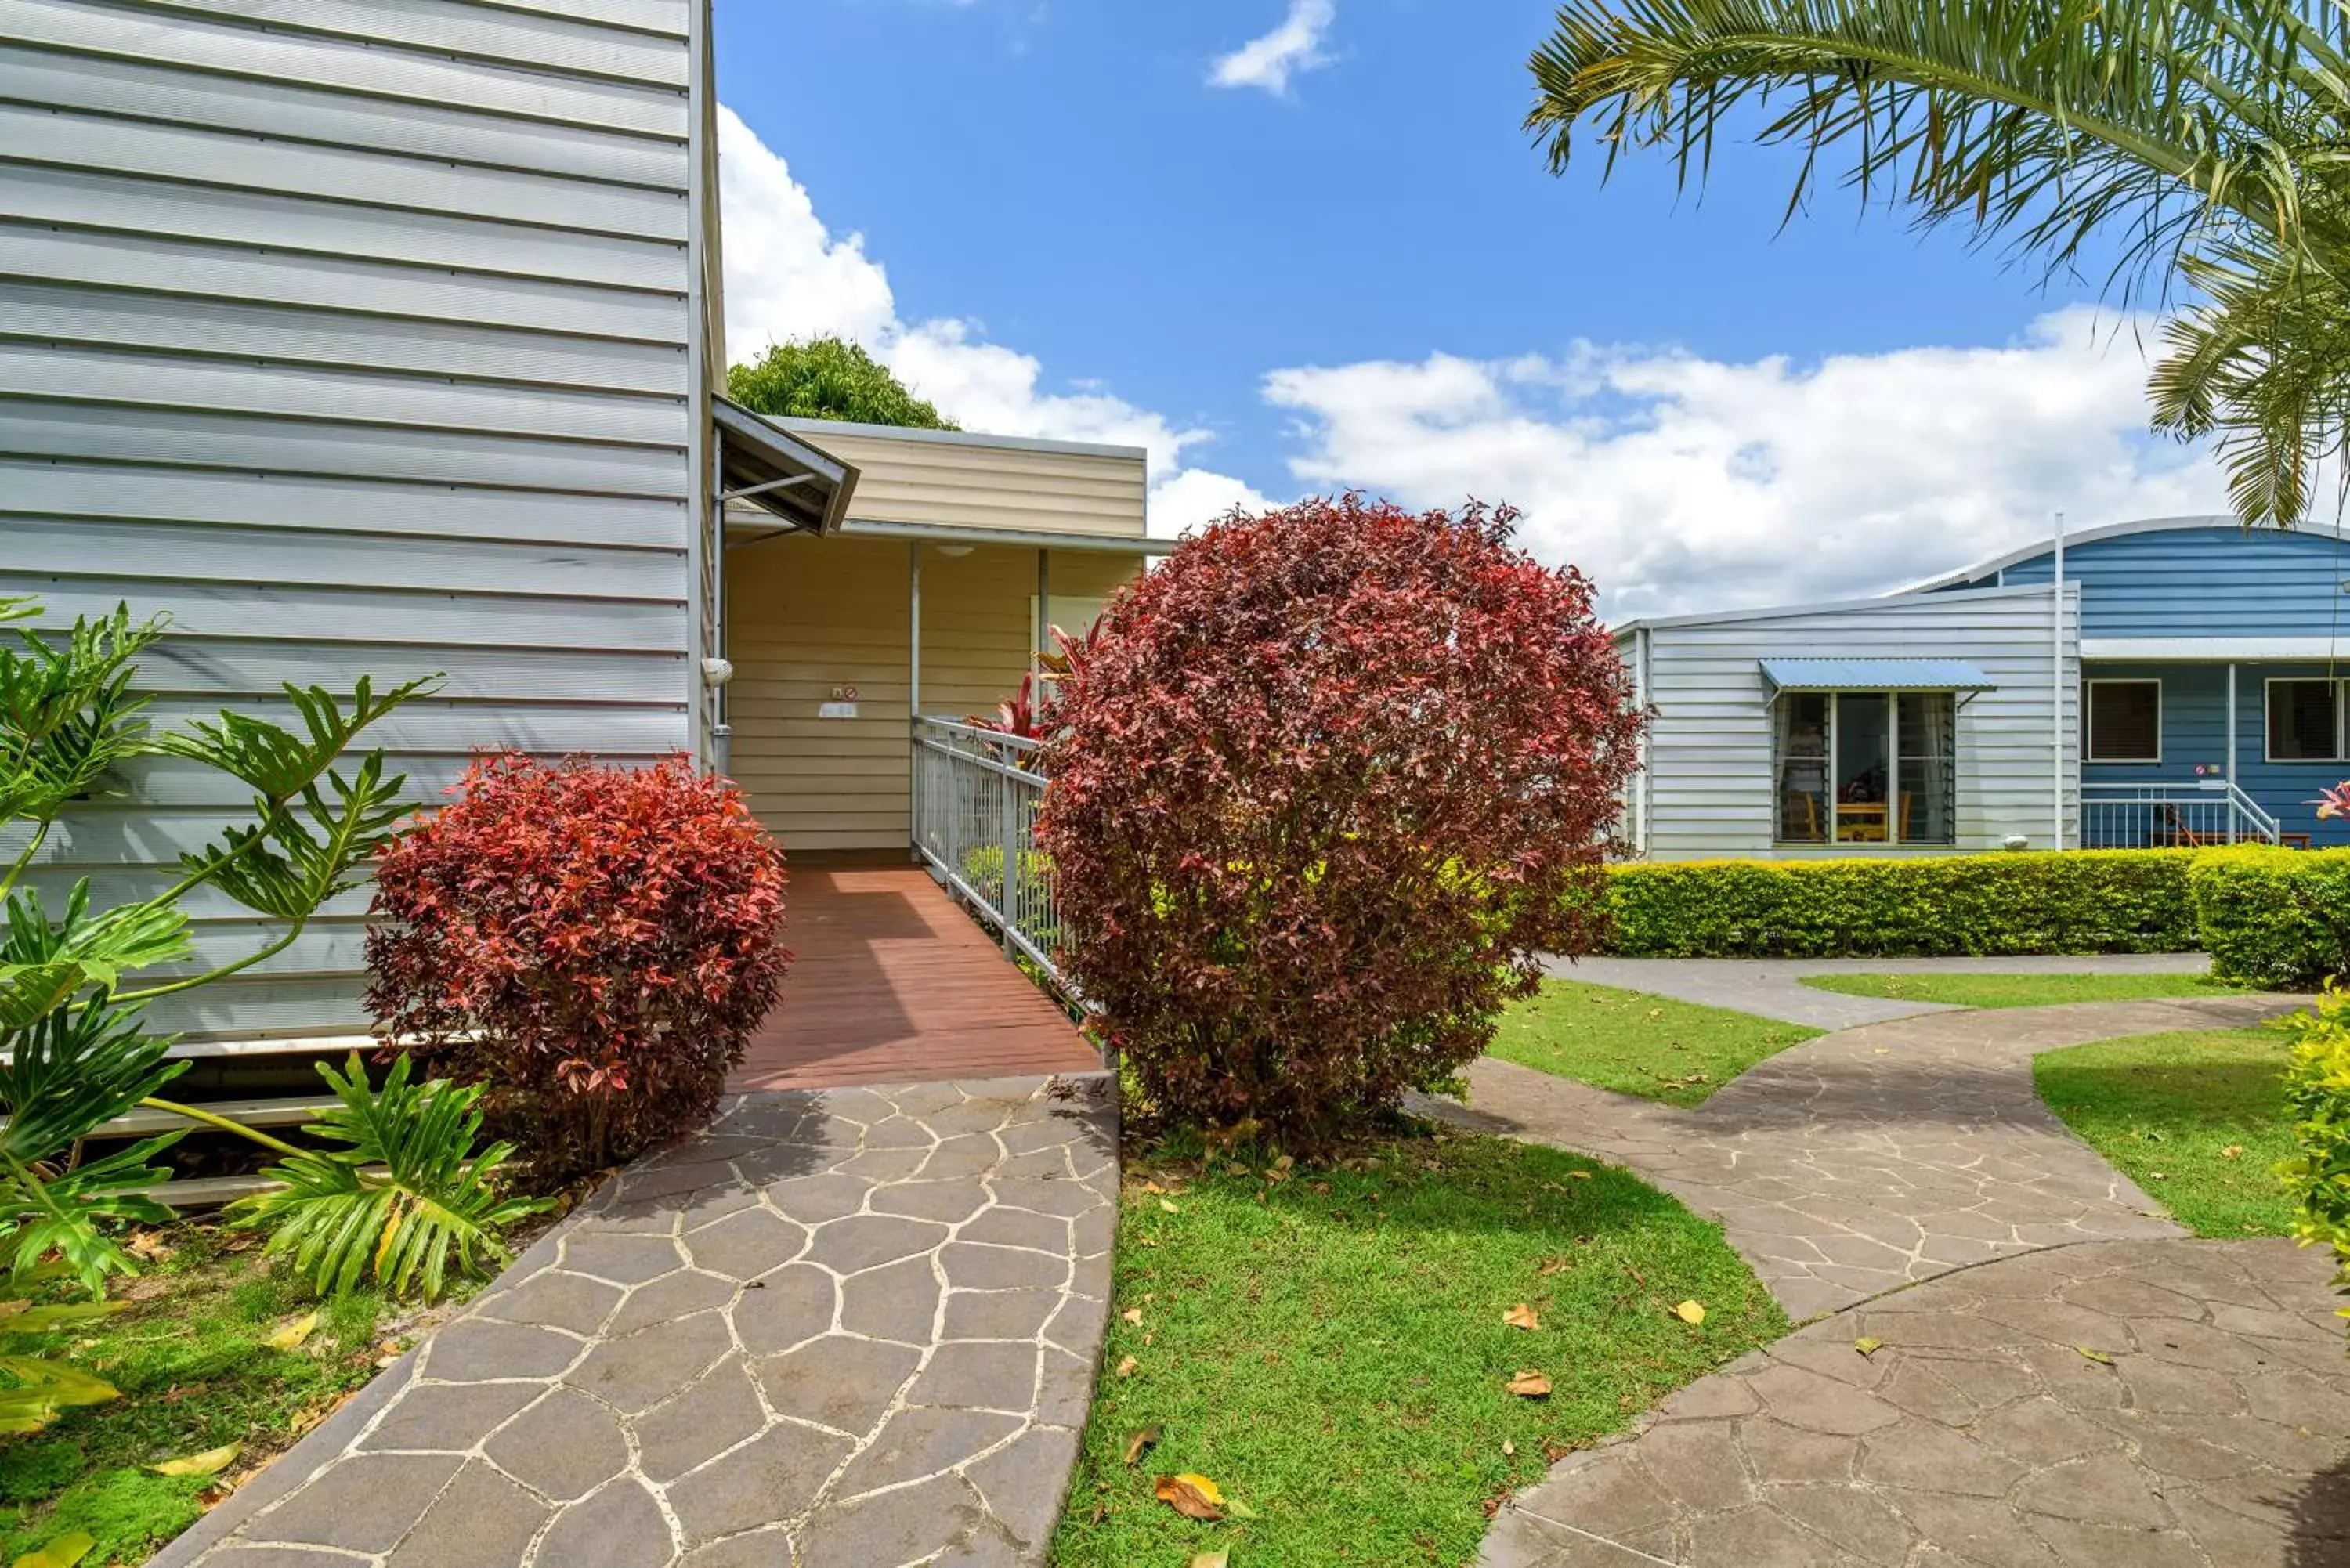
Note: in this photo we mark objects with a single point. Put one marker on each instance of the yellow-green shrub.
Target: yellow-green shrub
(2272, 917)
(2102, 901)
(2317, 1098)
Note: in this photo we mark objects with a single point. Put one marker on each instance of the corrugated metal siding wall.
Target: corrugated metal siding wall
(2221, 580)
(355, 334)
(1709, 782)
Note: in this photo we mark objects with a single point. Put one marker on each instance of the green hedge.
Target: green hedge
(2100, 900)
(2317, 1098)
(2278, 917)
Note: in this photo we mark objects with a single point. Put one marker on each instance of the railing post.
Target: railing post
(1009, 906)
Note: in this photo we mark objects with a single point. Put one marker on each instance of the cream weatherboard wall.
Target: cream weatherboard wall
(948, 478)
(360, 335)
(1707, 789)
(807, 616)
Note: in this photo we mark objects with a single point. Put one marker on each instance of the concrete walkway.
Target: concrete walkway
(1772, 987)
(1860, 1161)
(851, 1329)
(2208, 1429)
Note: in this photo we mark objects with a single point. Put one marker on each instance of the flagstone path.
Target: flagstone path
(2073, 1382)
(848, 1328)
(2113, 1405)
(1873, 1157)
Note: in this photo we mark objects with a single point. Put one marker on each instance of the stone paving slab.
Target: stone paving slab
(1772, 988)
(2213, 1433)
(1870, 1159)
(849, 1328)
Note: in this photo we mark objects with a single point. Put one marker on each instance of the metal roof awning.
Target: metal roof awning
(762, 464)
(1874, 675)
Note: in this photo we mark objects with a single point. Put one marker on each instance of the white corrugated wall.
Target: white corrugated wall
(357, 335)
(1709, 778)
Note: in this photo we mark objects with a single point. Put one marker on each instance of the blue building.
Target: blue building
(2181, 683)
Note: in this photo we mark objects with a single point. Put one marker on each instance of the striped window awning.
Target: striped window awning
(1874, 675)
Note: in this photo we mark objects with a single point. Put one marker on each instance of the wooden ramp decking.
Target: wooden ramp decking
(893, 984)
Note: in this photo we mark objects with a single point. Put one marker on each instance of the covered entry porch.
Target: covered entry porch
(931, 595)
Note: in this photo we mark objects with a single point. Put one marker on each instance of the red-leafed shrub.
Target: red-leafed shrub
(1324, 782)
(596, 944)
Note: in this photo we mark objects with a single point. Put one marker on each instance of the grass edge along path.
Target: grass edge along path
(1328, 1346)
(1656, 1047)
(2167, 1110)
(192, 1357)
(1984, 990)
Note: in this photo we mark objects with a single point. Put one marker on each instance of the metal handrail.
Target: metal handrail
(2124, 815)
(977, 793)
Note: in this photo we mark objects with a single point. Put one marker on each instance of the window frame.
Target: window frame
(2341, 687)
(1892, 839)
(2088, 718)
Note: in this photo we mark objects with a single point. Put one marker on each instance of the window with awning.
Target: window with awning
(1865, 750)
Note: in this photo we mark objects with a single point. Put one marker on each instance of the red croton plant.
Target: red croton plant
(1324, 784)
(595, 943)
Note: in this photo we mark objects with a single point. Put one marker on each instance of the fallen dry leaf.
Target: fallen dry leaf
(1193, 1496)
(1169, 1208)
(1222, 1557)
(1580, 1175)
(150, 1244)
(1125, 1369)
(1522, 1316)
(210, 1462)
(1866, 1345)
(63, 1552)
(2232, 1151)
(1529, 1385)
(1554, 1264)
(1139, 1443)
(1133, 1315)
(2099, 1357)
(1509, 1448)
(291, 1335)
(1238, 1508)
(1691, 1313)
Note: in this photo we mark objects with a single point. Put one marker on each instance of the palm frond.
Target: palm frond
(407, 1201)
(2045, 121)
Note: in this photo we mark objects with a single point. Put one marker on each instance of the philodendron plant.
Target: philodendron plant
(406, 1199)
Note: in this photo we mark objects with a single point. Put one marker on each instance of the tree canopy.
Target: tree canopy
(829, 379)
(2206, 137)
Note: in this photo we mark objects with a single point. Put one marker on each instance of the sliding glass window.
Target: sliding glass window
(1865, 767)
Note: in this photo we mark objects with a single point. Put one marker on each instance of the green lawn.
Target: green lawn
(1636, 1043)
(2196, 1118)
(194, 1374)
(2018, 990)
(1329, 1348)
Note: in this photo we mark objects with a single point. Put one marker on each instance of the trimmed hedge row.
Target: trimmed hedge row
(2274, 918)
(2099, 900)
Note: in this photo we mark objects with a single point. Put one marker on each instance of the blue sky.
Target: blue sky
(1355, 270)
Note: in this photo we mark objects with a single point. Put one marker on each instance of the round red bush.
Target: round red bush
(596, 944)
(1324, 784)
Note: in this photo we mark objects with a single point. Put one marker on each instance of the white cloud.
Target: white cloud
(789, 275)
(1293, 47)
(1685, 483)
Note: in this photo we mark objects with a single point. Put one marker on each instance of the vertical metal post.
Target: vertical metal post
(1044, 626)
(913, 672)
(2234, 810)
(2057, 689)
(1007, 899)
